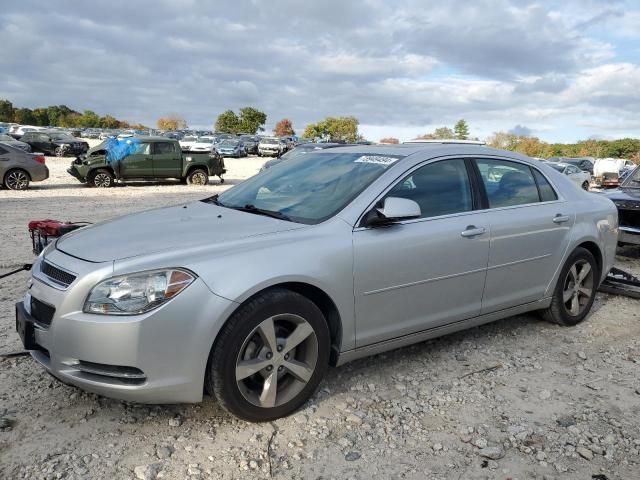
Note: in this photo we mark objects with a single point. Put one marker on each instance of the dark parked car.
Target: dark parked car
(12, 142)
(18, 168)
(250, 143)
(627, 200)
(585, 164)
(152, 158)
(55, 143)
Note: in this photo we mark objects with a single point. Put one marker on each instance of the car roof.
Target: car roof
(431, 149)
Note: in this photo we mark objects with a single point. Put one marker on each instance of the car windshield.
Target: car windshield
(557, 166)
(633, 180)
(62, 136)
(189, 139)
(229, 143)
(310, 188)
(269, 140)
(205, 140)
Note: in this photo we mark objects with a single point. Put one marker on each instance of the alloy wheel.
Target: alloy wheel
(276, 360)
(102, 180)
(17, 180)
(578, 287)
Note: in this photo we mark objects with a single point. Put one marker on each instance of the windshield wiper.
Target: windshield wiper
(261, 211)
(213, 200)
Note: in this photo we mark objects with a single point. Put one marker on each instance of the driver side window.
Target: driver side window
(143, 149)
(439, 188)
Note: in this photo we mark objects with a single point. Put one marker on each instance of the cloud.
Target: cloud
(404, 64)
(521, 130)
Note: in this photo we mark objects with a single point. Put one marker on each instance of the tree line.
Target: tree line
(59, 116)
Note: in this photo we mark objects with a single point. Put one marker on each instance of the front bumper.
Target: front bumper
(166, 349)
(629, 235)
(73, 171)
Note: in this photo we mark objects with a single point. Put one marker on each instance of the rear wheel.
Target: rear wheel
(270, 356)
(16, 179)
(101, 178)
(59, 151)
(198, 176)
(575, 290)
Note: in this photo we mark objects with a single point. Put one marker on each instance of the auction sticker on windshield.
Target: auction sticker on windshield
(378, 159)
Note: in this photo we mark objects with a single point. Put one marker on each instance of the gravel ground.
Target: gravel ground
(516, 399)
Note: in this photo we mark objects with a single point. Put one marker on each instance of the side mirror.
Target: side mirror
(394, 210)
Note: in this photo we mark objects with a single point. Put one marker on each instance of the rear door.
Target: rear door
(530, 232)
(423, 273)
(137, 165)
(167, 160)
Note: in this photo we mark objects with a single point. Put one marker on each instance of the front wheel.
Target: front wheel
(16, 179)
(576, 289)
(270, 356)
(198, 177)
(59, 151)
(585, 185)
(101, 178)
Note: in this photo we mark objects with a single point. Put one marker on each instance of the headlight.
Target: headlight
(136, 293)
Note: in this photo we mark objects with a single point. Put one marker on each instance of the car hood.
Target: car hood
(623, 194)
(169, 228)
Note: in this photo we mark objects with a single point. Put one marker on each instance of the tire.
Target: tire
(59, 152)
(101, 178)
(221, 180)
(198, 176)
(16, 179)
(245, 340)
(566, 291)
(585, 186)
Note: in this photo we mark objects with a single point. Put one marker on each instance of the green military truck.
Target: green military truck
(149, 158)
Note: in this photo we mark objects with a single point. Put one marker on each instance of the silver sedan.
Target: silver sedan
(328, 257)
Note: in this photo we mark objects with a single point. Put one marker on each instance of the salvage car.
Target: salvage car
(55, 143)
(12, 142)
(299, 150)
(270, 147)
(187, 142)
(231, 147)
(154, 158)
(627, 201)
(331, 256)
(18, 168)
(202, 145)
(579, 177)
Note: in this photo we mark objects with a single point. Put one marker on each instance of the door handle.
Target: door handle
(560, 218)
(473, 231)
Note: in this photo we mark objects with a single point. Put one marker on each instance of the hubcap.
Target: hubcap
(59, 152)
(578, 287)
(17, 181)
(277, 360)
(198, 179)
(102, 180)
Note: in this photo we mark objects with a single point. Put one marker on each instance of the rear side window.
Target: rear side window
(440, 188)
(547, 193)
(164, 147)
(508, 183)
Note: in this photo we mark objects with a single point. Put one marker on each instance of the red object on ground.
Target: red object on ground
(43, 231)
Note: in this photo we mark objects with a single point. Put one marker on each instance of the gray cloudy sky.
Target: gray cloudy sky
(561, 70)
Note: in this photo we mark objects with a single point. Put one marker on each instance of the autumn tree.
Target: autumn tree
(461, 129)
(441, 133)
(171, 122)
(6, 111)
(334, 128)
(390, 140)
(284, 128)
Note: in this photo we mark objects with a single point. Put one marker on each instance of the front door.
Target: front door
(530, 233)
(167, 160)
(422, 273)
(137, 165)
